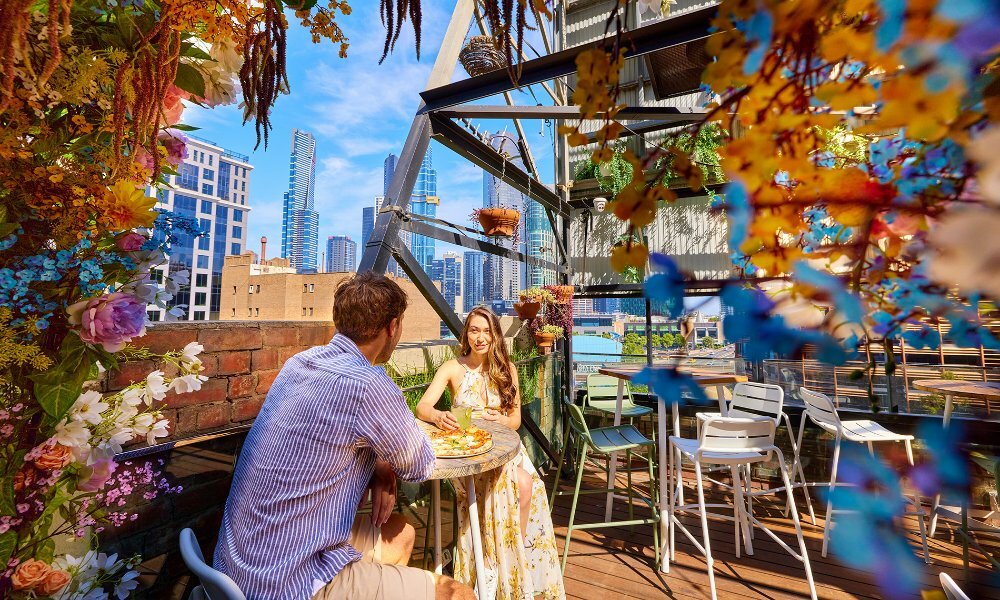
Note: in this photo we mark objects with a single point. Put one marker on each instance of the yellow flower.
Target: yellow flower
(634, 255)
(127, 207)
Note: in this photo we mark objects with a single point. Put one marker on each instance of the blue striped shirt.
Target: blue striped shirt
(306, 462)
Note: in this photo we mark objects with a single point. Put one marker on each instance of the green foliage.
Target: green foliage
(667, 340)
(633, 344)
(707, 342)
(414, 381)
(553, 329)
(535, 294)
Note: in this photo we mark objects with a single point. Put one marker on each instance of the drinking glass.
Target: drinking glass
(463, 414)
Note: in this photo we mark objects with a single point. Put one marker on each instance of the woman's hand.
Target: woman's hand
(492, 414)
(445, 420)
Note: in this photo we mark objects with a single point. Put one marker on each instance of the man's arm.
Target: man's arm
(390, 429)
(383, 488)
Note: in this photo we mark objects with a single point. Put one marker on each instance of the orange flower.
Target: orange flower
(631, 255)
(29, 574)
(55, 457)
(53, 582)
(127, 207)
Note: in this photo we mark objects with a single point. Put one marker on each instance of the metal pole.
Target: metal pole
(649, 330)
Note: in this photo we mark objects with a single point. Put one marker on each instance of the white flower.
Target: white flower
(189, 355)
(126, 585)
(155, 388)
(83, 568)
(968, 250)
(72, 434)
(88, 407)
(119, 436)
(174, 282)
(132, 397)
(157, 431)
(187, 383)
(142, 423)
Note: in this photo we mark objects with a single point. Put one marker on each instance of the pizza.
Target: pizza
(460, 442)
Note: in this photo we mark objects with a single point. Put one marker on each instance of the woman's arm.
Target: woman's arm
(513, 418)
(425, 408)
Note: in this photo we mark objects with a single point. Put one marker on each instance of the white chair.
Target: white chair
(214, 585)
(820, 409)
(737, 443)
(951, 589)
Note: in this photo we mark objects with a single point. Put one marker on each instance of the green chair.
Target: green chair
(602, 395)
(604, 441)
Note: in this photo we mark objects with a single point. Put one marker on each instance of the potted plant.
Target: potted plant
(497, 221)
(531, 302)
(546, 336)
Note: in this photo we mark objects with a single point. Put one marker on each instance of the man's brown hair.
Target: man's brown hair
(365, 304)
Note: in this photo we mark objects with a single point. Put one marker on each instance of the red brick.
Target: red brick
(264, 380)
(244, 410)
(316, 335)
(285, 353)
(280, 336)
(230, 338)
(234, 363)
(187, 420)
(264, 359)
(209, 363)
(166, 339)
(213, 390)
(241, 386)
(212, 416)
(129, 373)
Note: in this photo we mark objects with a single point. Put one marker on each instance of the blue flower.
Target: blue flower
(925, 337)
(847, 303)
(738, 212)
(666, 285)
(671, 385)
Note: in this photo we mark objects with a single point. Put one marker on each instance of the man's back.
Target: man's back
(306, 463)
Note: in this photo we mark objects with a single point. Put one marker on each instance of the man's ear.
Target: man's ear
(392, 327)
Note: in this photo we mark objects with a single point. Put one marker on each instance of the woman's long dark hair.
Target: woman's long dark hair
(497, 363)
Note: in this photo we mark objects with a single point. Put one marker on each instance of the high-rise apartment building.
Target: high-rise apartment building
(341, 254)
(424, 201)
(473, 280)
(448, 270)
(539, 242)
(503, 277)
(212, 186)
(300, 222)
(388, 169)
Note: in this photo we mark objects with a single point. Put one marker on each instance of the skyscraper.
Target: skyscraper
(424, 201)
(448, 270)
(503, 276)
(472, 280)
(388, 169)
(341, 254)
(211, 186)
(300, 222)
(368, 220)
(539, 242)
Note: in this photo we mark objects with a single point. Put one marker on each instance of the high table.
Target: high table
(984, 390)
(506, 446)
(625, 373)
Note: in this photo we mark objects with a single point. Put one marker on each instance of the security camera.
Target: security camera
(600, 203)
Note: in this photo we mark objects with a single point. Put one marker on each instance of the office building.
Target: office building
(607, 306)
(300, 222)
(472, 280)
(539, 242)
(388, 169)
(448, 271)
(424, 201)
(212, 186)
(341, 254)
(503, 277)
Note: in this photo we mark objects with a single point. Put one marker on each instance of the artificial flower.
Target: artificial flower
(131, 241)
(126, 206)
(29, 574)
(55, 581)
(73, 434)
(189, 355)
(155, 387)
(55, 456)
(101, 465)
(111, 320)
(88, 407)
(187, 383)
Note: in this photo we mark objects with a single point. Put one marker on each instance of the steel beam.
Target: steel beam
(465, 144)
(643, 127)
(667, 114)
(427, 288)
(667, 33)
(459, 239)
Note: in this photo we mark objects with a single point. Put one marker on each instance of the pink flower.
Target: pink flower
(93, 477)
(143, 158)
(172, 105)
(111, 320)
(176, 146)
(131, 241)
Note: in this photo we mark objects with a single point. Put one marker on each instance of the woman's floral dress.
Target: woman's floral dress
(525, 568)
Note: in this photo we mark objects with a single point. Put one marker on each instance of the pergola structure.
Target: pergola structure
(446, 115)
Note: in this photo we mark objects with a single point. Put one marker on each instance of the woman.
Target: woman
(518, 543)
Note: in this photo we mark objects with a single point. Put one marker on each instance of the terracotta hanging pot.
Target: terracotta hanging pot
(527, 310)
(499, 221)
(544, 341)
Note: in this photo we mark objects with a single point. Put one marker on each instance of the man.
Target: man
(333, 427)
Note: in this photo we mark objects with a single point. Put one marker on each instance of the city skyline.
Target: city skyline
(341, 254)
(300, 221)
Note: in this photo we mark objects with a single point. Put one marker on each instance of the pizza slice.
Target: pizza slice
(460, 443)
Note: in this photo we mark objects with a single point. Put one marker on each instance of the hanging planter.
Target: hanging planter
(527, 310)
(498, 221)
(480, 56)
(544, 342)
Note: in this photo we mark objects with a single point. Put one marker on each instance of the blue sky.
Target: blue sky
(359, 111)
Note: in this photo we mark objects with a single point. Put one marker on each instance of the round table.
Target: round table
(506, 446)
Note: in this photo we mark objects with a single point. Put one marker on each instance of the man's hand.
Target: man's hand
(383, 488)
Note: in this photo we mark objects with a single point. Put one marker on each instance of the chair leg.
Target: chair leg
(628, 476)
(798, 526)
(798, 464)
(741, 519)
(572, 510)
(919, 507)
(672, 495)
(562, 458)
(829, 498)
(704, 528)
(748, 484)
(654, 500)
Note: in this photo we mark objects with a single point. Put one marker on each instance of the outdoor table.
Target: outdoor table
(625, 373)
(984, 390)
(506, 446)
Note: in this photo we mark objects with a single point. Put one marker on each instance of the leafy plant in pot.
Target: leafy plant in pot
(546, 336)
(531, 302)
(498, 221)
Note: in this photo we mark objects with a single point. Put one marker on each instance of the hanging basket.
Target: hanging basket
(480, 55)
(499, 221)
(544, 341)
(527, 310)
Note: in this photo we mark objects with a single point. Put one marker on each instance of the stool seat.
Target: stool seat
(620, 437)
(689, 448)
(629, 408)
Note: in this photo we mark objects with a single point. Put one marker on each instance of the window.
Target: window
(234, 312)
(234, 249)
(222, 213)
(234, 290)
(250, 291)
(238, 216)
(312, 287)
(256, 312)
(243, 199)
(200, 298)
(201, 157)
(236, 185)
(249, 312)
(201, 280)
(303, 311)
(187, 176)
(210, 160)
(153, 315)
(205, 242)
(207, 188)
(305, 288)
(199, 315)
(310, 312)
(207, 173)
(157, 275)
(203, 262)
(234, 196)
(258, 288)
(237, 230)
(243, 186)
(206, 207)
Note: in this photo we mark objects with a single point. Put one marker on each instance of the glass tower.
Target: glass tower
(472, 280)
(300, 222)
(503, 277)
(424, 201)
(341, 254)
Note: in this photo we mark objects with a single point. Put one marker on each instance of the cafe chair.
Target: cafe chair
(820, 409)
(602, 395)
(951, 589)
(736, 443)
(603, 441)
(214, 585)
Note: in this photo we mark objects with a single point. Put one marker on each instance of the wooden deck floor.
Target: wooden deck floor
(618, 563)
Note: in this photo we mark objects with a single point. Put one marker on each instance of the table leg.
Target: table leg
(720, 394)
(613, 458)
(946, 421)
(436, 508)
(477, 542)
(662, 444)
